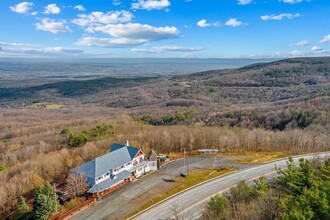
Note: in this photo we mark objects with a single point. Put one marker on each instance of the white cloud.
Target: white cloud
(16, 44)
(138, 31)
(151, 4)
(52, 9)
(313, 52)
(127, 35)
(280, 16)
(47, 50)
(296, 53)
(110, 42)
(244, 2)
(171, 48)
(22, 7)
(326, 39)
(79, 7)
(96, 17)
(234, 22)
(53, 26)
(19, 48)
(203, 23)
(316, 49)
(116, 2)
(302, 43)
(291, 1)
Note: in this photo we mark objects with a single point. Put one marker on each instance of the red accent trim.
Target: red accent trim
(139, 153)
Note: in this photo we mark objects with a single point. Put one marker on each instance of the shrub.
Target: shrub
(22, 206)
(66, 131)
(77, 140)
(103, 130)
(2, 168)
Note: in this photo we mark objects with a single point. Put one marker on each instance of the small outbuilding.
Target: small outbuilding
(208, 151)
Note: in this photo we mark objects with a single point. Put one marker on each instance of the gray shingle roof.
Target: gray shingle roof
(131, 150)
(109, 182)
(120, 155)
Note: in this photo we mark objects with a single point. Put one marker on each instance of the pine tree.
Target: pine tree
(22, 206)
(45, 202)
(260, 187)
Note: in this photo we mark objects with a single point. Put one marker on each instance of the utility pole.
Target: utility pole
(184, 172)
(185, 160)
(55, 201)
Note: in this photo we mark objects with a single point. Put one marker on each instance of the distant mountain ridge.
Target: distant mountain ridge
(256, 83)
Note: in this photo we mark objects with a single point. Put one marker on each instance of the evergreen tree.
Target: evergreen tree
(77, 140)
(306, 196)
(260, 187)
(45, 202)
(22, 206)
(300, 192)
(216, 207)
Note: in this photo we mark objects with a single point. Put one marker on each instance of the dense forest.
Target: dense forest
(53, 142)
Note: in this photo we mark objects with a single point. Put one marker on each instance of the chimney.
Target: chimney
(127, 143)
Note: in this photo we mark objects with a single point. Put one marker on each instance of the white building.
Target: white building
(122, 163)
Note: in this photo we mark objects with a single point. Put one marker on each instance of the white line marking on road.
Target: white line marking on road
(163, 213)
(185, 201)
(197, 213)
(198, 203)
(208, 190)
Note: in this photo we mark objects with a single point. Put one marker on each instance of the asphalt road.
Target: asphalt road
(133, 195)
(189, 204)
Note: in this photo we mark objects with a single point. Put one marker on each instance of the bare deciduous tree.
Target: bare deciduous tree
(76, 185)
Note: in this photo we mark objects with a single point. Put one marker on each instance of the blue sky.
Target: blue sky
(165, 28)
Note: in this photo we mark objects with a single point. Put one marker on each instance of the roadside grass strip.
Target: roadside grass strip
(194, 178)
(260, 157)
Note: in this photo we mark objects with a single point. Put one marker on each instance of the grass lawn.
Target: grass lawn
(72, 203)
(46, 105)
(195, 177)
